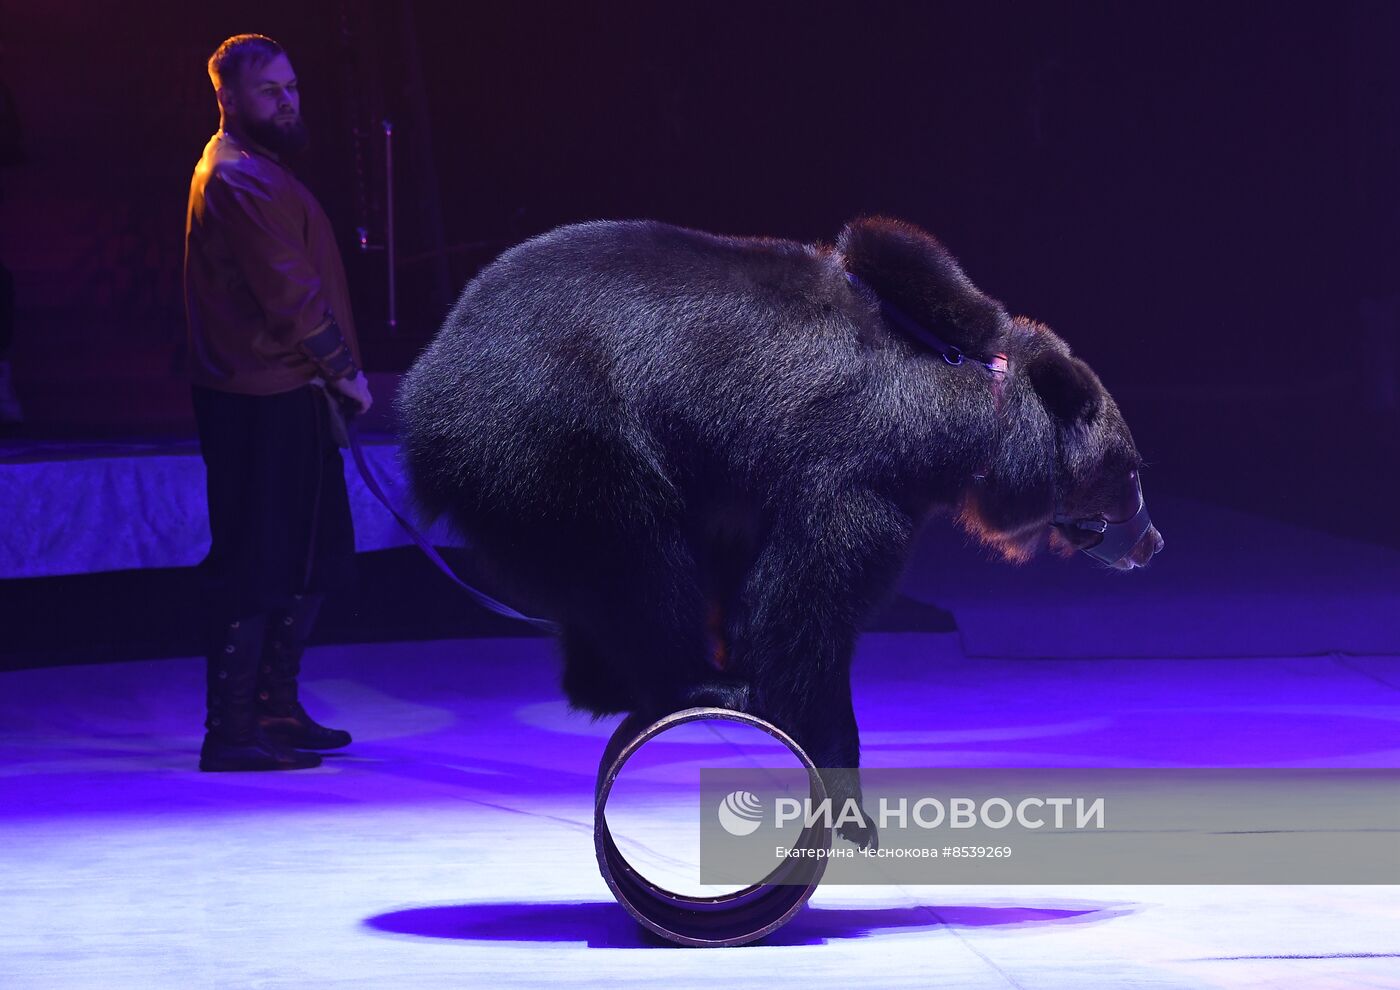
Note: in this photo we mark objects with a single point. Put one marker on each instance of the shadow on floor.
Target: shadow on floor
(604, 924)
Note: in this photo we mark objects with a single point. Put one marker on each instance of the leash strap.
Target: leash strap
(481, 598)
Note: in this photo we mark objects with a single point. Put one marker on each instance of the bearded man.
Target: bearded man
(270, 337)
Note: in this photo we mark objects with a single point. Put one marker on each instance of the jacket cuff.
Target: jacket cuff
(330, 353)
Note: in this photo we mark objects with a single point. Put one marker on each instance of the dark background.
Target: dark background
(1201, 198)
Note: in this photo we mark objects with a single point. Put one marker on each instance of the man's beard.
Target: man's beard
(284, 141)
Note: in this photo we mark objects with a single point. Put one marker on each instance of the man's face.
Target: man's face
(266, 103)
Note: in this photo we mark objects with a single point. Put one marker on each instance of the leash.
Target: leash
(372, 483)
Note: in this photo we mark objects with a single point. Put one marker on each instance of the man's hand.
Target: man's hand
(356, 390)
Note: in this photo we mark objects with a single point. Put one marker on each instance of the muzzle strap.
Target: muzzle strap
(1118, 538)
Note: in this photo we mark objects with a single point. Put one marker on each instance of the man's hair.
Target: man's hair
(240, 52)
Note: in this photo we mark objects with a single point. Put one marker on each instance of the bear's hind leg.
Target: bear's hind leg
(589, 682)
(634, 629)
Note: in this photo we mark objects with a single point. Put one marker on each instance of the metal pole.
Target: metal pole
(389, 232)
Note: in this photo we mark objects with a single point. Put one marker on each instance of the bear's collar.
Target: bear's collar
(996, 366)
(954, 355)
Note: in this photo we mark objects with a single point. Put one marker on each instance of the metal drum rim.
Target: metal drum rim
(627, 883)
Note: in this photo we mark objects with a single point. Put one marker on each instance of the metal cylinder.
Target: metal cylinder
(391, 256)
(725, 919)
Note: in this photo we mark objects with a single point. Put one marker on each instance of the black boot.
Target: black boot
(280, 715)
(233, 740)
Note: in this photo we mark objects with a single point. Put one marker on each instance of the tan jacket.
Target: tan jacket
(262, 273)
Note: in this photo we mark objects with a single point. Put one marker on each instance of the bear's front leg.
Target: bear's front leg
(814, 707)
(827, 559)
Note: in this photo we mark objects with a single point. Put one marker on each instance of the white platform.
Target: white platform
(1228, 584)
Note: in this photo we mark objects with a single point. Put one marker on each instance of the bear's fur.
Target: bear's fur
(706, 457)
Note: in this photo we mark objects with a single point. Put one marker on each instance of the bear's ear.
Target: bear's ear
(909, 268)
(1066, 386)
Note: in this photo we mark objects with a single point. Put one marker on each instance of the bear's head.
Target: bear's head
(1067, 471)
(1064, 471)
(1099, 500)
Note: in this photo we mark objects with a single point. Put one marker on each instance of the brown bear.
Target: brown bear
(705, 457)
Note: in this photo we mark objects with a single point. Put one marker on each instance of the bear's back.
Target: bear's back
(746, 353)
(640, 280)
(642, 313)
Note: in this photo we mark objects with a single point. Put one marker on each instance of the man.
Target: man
(270, 331)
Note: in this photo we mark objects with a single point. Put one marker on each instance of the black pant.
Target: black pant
(278, 510)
